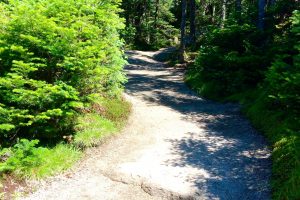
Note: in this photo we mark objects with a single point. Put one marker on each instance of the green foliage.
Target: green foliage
(54, 160)
(105, 117)
(22, 156)
(282, 130)
(149, 24)
(91, 130)
(24, 159)
(283, 77)
(54, 56)
(116, 110)
(100, 120)
(226, 67)
(261, 70)
(283, 82)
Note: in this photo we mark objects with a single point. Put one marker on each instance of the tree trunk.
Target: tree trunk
(138, 22)
(153, 35)
(224, 7)
(204, 5)
(239, 10)
(156, 13)
(261, 14)
(213, 17)
(192, 21)
(182, 29)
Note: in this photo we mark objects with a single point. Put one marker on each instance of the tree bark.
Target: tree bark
(261, 14)
(192, 21)
(156, 13)
(182, 29)
(204, 6)
(213, 17)
(224, 13)
(239, 10)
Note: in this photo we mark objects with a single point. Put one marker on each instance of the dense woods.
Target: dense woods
(61, 75)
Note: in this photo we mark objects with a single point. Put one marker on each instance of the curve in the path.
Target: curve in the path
(176, 146)
(230, 157)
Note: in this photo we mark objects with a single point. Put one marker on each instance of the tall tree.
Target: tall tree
(156, 13)
(192, 21)
(149, 23)
(261, 14)
(182, 29)
(213, 18)
(238, 5)
(224, 12)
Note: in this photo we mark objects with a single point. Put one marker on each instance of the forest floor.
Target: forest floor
(175, 146)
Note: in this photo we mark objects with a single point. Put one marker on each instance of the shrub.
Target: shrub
(55, 56)
(266, 82)
(22, 156)
(24, 159)
(283, 86)
(231, 60)
(283, 78)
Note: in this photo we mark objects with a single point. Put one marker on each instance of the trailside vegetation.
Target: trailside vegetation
(59, 61)
(149, 24)
(249, 53)
(61, 73)
(235, 50)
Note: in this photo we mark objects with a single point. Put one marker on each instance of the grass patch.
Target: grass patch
(55, 160)
(115, 110)
(92, 128)
(28, 159)
(106, 117)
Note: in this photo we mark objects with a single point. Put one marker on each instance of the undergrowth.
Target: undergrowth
(91, 129)
(265, 79)
(279, 126)
(282, 130)
(28, 159)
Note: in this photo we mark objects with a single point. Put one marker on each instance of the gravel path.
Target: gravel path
(176, 146)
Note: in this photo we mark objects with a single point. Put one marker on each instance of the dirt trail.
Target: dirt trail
(176, 146)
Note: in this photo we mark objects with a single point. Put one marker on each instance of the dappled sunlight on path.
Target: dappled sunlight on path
(175, 146)
(203, 147)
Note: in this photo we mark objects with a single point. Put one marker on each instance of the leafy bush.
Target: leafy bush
(265, 77)
(55, 56)
(283, 78)
(22, 156)
(231, 60)
(26, 160)
(283, 86)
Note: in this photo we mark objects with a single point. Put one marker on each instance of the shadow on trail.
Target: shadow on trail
(230, 151)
